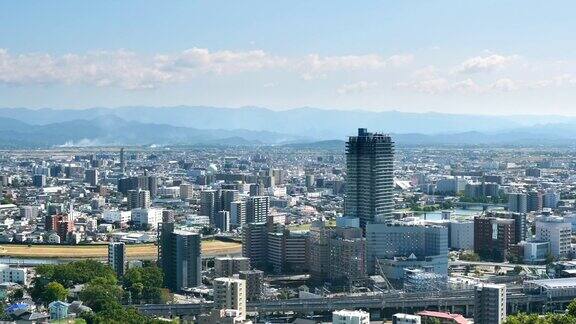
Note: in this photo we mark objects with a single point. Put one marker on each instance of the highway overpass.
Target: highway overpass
(461, 301)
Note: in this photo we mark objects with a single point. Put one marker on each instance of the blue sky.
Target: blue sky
(490, 57)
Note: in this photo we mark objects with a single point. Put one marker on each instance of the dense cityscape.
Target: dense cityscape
(306, 162)
(371, 231)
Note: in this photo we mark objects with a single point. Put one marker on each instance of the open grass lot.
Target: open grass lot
(135, 251)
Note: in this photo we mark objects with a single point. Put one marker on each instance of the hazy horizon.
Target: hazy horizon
(360, 109)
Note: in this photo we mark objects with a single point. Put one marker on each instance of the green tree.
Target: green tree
(144, 284)
(16, 294)
(284, 294)
(549, 258)
(54, 291)
(469, 256)
(73, 273)
(572, 308)
(102, 294)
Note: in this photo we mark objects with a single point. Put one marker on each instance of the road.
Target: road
(395, 301)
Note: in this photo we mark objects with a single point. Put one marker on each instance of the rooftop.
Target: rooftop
(554, 283)
(455, 317)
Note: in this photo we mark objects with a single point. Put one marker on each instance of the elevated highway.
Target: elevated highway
(461, 301)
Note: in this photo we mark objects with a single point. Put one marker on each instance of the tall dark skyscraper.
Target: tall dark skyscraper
(117, 257)
(369, 184)
(122, 160)
(179, 256)
(91, 176)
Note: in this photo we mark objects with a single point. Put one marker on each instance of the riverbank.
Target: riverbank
(147, 251)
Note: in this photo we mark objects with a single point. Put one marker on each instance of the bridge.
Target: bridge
(460, 301)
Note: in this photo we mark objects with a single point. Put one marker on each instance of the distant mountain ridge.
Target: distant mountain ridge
(111, 130)
(320, 124)
(304, 127)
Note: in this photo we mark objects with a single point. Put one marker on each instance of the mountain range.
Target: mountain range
(183, 125)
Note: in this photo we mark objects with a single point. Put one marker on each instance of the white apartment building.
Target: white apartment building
(147, 217)
(557, 231)
(116, 216)
(17, 275)
(230, 293)
(350, 317)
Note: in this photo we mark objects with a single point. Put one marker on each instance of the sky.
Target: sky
(472, 57)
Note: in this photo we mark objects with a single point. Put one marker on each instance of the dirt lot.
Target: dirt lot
(135, 251)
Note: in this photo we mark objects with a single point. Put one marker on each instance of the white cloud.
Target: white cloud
(400, 59)
(505, 85)
(428, 86)
(129, 70)
(484, 63)
(427, 72)
(559, 81)
(466, 86)
(200, 60)
(357, 87)
(441, 85)
(315, 66)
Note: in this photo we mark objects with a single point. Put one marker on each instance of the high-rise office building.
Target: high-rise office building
(257, 209)
(126, 184)
(520, 228)
(138, 199)
(91, 176)
(494, 237)
(168, 216)
(142, 182)
(550, 199)
(222, 221)
(369, 183)
(275, 251)
(186, 191)
(122, 160)
(256, 189)
(208, 203)
(254, 243)
(117, 257)
(309, 181)
(179, 256)
(533, 172)
(39, 180)
(534, 201)
(225, 198)
(238, 213)
(517, 202)
(490, 304)
(153, 186)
